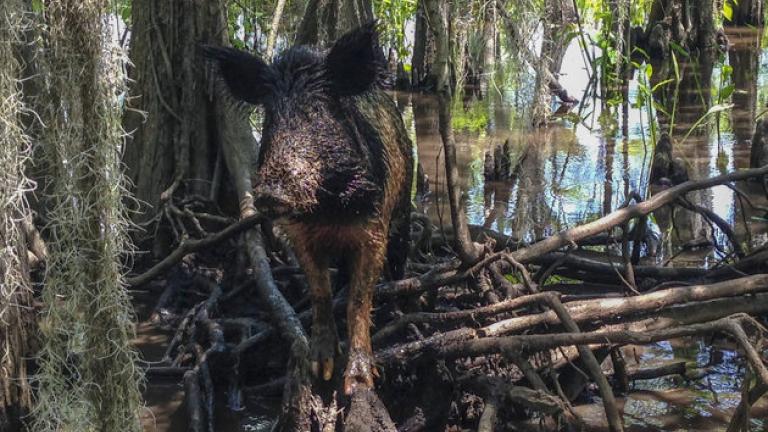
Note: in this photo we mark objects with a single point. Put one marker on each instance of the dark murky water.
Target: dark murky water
(576, 172)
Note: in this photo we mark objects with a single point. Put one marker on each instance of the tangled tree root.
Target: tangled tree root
(521, 345)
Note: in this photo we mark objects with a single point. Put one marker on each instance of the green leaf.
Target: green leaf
(680, 50)
(642, 52)
(726, 91)
(728, 10)
(648, 71)
(660, 108)
(715, 109)
(663, 83)
(676, 65)
(125, 12)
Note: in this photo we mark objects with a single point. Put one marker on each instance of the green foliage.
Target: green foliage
(555, 279)
(645, 96)
(123, 9)
(245, 17)
(712, 111)
(393, 15)
(728, 10)
(473, 118)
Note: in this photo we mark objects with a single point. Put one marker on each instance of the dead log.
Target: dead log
(544, 342)
(674, 368)
(586, 310)
(602, 309)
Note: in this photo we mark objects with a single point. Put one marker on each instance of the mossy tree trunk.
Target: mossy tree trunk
(16, 313)
(88, 379)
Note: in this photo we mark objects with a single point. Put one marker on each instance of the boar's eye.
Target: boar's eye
(248, 77)
(356, 62)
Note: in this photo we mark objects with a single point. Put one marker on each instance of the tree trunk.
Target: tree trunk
(439, 16)
(16, 313)
(422, 68)
(176, 110)
(689, 23)
(558, 14)
(325, 20)
(87, 377)
(488, 56)
(747, 13)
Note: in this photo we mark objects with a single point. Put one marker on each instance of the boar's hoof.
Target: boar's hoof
(360, 371)
(324, 348)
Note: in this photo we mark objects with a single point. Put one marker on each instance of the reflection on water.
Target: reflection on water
(570, 172)
(675, 404)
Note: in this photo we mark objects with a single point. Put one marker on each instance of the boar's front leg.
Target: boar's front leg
(365, 264)
(325, 341)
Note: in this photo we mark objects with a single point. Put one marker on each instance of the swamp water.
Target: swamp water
(577, 172)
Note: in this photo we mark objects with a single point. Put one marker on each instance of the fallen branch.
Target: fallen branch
(616, 218)
(592, 310)
(593, 366)
(675, 368)
(739, 418)
(470, 316)
(601, 309)
(544, 342)
(188, 246)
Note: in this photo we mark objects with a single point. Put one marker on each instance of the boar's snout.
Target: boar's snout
(271, 202)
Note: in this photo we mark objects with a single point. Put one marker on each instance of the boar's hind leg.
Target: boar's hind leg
(366, 265)
(324, 344)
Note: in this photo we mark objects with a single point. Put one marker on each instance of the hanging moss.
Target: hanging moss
(88, 376)
(15, 293)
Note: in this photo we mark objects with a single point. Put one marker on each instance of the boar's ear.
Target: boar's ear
(248, 77)
(356, 62)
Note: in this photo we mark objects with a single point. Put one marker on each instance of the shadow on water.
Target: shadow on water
(570, 173)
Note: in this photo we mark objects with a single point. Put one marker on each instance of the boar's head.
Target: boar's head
(319, 157)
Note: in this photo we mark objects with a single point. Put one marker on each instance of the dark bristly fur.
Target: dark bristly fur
(335, 168)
